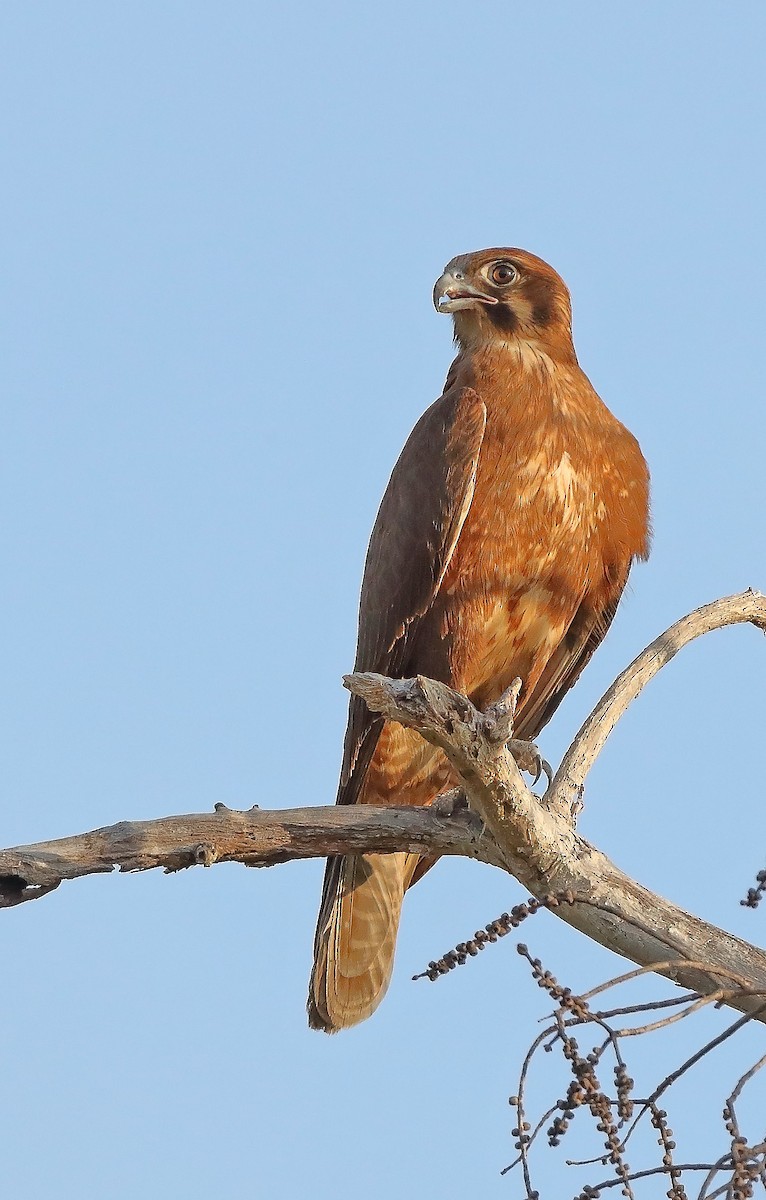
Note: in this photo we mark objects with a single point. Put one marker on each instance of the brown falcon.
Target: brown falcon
(501, 549)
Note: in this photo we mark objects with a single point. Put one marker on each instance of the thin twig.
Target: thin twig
(749, 606)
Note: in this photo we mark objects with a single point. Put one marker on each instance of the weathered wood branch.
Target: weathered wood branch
(508, 826)
(747, 607)
(542, 849)
(254, 837)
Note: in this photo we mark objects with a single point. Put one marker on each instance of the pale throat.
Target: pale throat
(502, 353)
(526, 346)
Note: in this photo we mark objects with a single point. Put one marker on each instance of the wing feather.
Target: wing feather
(584, 635)
(414, 537)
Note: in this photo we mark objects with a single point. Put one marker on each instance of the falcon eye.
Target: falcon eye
(503, 273)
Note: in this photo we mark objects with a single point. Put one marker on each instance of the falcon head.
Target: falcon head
(502, 295)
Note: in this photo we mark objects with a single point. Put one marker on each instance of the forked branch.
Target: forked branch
(509, 826)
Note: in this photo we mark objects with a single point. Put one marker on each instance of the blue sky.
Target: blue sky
(221, 225)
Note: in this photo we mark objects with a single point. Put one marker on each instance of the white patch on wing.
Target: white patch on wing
(464, 507)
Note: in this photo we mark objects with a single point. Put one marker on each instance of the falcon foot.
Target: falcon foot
(529, 759)
(450, 803)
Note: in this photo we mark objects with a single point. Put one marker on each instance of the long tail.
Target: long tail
(355, 939)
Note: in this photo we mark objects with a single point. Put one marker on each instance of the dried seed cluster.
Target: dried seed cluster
(756, 894)
(742, 1168)
(564, 996)
(665, 1140)
(747, 1164)
(744, 1165)
(490, 933)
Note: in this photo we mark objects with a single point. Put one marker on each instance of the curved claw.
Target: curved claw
(547, 770)
(529, 759)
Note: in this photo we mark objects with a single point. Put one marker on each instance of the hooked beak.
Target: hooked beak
(452, 293)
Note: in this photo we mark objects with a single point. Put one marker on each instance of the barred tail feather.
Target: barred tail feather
(356, 937)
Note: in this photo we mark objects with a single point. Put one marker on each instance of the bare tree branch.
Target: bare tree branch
(545, 853)
(749, 606)
(256, 838)
(534, 840)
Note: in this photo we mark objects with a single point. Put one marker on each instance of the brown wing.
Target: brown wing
(585, 634)
(413, 539)
(594, 614)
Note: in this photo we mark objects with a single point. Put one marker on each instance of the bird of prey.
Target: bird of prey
(501, 549)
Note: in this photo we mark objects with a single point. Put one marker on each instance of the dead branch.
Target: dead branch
(747, 607)
(534, 840)
(621, 1120)
(538, 841)
(256, 838)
